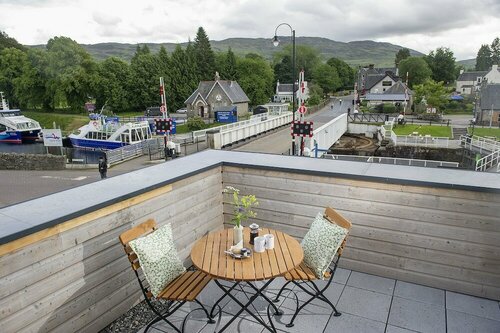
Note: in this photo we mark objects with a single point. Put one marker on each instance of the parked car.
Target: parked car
(153, 111)
(183, 110)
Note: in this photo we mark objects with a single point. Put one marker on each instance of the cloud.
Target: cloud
(105, 19)
(421, 25)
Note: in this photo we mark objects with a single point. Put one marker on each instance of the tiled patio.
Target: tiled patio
(368, 303)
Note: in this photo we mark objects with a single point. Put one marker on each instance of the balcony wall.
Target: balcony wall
(62, 268)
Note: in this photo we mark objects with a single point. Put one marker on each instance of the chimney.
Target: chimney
(461, 71)
(371, 66)
(494, 67)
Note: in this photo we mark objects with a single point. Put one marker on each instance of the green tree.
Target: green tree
(30, 86)
(226, 65)
(68, 74)
(111, 85)
(315, 94)
(346, 73)
(402, 54)
(417, 68)
(256, 79)
(205, 59)
(442, 64)
(326, 77)
(283, 69)
(165, 65)
(143, 83)
(483, 58)
(12, 64)
(7, 42)
(306, 58)
(495, 51)
(434, 93)
(184, 76)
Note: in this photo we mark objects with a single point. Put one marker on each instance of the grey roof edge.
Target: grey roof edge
(147, 179)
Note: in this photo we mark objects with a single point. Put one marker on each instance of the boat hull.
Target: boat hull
(97, 144)
(18, 137)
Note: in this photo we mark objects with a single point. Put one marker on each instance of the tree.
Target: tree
(7, 42)
(143, 83)
(283, 70)
(495, 51)
(401, 55)
(111, 85)
(483, 58)
(326, 77)
(442, 64)
(306, 58)
(226, 65)
(184, 76)
(417, 68)
(12, 63)
(346, 73)
(205, 58)
(30, 87)
(434, 93)
(255, 78)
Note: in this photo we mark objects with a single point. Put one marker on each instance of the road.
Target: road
(280, 142)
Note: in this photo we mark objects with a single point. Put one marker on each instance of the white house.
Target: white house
(493, 76)
(284, 93)
(469, 82)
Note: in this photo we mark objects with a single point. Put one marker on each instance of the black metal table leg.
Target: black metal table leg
(244, 307)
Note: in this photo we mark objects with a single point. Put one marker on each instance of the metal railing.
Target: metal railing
(393, 160)
(489, 161)
(479, 144)
(369, 117)
(133, 150)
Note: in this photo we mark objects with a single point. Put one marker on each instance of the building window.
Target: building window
(478, 80)
(386, 83)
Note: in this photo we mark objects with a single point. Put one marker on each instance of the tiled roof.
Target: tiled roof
(471, 76)
(398, 88)
(231, 88)
(490, 96)
(373, 79)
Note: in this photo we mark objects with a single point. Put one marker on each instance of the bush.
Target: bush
(195, 123)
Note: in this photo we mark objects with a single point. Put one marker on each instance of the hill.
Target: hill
(468, 63)
(355, 53)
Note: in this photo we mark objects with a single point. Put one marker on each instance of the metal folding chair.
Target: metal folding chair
(304, 278)
(185, 288)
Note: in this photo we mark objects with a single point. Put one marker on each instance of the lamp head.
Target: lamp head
(276, 41)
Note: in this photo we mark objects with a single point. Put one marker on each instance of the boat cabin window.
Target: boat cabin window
(3, 127)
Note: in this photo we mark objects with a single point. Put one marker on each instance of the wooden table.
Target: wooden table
(208, 256)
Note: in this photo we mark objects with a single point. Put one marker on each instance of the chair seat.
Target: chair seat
(302, 272)
(186, 287)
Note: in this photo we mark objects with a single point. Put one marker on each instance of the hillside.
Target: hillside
(354, 53)
(468, 63)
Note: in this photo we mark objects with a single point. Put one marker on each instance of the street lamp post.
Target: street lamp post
(276, 43)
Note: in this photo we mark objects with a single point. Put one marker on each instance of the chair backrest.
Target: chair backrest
(334, 217)
(140, 230)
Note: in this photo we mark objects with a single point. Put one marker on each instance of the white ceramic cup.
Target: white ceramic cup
(269, 241)
(259, 244)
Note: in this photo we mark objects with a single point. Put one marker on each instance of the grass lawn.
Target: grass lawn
(67, 122)
(437, 131)
(480, 131)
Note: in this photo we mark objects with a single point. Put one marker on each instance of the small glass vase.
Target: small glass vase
(237, 234)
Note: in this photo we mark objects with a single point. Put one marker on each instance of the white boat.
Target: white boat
(108, 133)
(16, 128)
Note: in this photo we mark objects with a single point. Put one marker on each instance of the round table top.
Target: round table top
(209, 257)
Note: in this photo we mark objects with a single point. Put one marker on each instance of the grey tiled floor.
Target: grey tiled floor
(368, 303)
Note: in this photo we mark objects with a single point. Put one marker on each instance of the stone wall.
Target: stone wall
(11, 161)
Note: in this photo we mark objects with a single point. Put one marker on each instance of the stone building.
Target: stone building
(210, 96)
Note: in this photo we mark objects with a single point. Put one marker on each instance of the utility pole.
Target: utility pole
(491, 115)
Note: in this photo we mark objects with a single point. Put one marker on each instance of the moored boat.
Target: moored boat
(16, 128)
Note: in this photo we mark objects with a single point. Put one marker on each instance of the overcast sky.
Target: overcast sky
(421, 25)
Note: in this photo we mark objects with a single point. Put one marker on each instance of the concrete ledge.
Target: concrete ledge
(23, 219)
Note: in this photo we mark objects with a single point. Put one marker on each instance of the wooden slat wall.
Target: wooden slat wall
(80, 279)
(442, 238)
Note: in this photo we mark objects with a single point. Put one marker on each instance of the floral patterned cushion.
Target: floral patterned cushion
(321, 243)
(158, 258)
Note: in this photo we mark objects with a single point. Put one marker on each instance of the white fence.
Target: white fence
(480, 144)
(416, 140)
(229, 136)
(325, 136)
(130, 151)
(393, 160)
(253, 119)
